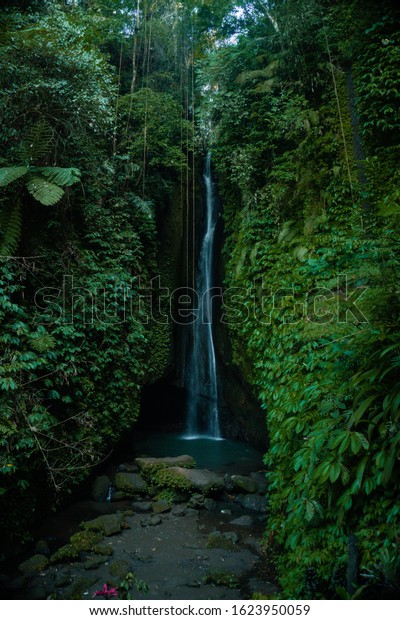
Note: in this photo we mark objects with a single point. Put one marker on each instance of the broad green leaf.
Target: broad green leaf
(11, 173)
(44, 192)
(61, 176)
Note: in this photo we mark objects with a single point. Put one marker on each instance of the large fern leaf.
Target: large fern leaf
(10, 229)
(45, 192)
(11, 173)
(61, 176)
(37, 142)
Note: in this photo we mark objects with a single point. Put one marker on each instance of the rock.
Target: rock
(261, 481)
(161, 505)
(34, 565)
(117, 496)
(42, 548)
(141, 506)
(226, 511)
(119, 568)
(151, 521)
(244, 483)
(63, 578)
(85, 541)
(210, 504)
(232, 536)
(262, 587)
(228, 483)
(93, 562)
(130, 484)
(122, 468)
(178, 511)
(245, 521)
(38, 593)
(203, 480)
(196, 501)
(168, 461)
(78, 587)
(103, 549)
(221, 578)
(67, 553)
(254, 502)
(254, 543)
(100, 488)
(106, 525)
(216, 540)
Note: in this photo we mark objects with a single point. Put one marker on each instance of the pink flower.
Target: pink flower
(106, 592)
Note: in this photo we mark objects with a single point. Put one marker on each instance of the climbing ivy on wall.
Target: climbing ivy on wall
(89, 169)
(312, 225)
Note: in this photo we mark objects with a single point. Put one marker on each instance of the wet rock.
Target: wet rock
(210, 504)
(257, 503)
(228, 483)
(244, 521)
(42, 548)
(232, 536)
(217, 540)
(93, 562)
(262, 587)
(169, 461)
(196, 501)
(63, 578)
(78, 587)
(226, 511)
(161, 505)
(100, 488)
(103, 549)
(106, 525)
(178, 511)
(203, 480)
(86, 540)
(119, 568)
(141, 506)
(261, 481)
(122, 468)
(117, 496)
(244, 483)
(254, 543)
(34, 565)
(150, 521)
(130, 484)
(67, 553)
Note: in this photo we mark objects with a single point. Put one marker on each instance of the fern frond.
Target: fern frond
(37, 142)
(11, 173)
(61, 176)
(44, 192)
(10, 229)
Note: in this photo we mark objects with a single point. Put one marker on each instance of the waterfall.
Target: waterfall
(201, 369)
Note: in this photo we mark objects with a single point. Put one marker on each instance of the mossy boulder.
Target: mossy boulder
(202, 480)
(130, 484)
(35, 564)
(217, 540)
(168, 461)
(78, 587)
(85, 540)
(103, 549)
(107, 525)
(161, 505)
(100, 489)
(172, 478)
(245, 483)
(119, 568)
(93, 562)
(67, 553)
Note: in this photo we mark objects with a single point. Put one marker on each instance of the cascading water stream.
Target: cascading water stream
(201, 369)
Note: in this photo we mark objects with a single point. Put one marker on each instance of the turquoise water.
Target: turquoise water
(221, 455)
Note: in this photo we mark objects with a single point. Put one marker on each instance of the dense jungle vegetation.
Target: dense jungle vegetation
(106, 108)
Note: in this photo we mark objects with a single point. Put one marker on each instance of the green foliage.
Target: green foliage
(298, 213)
